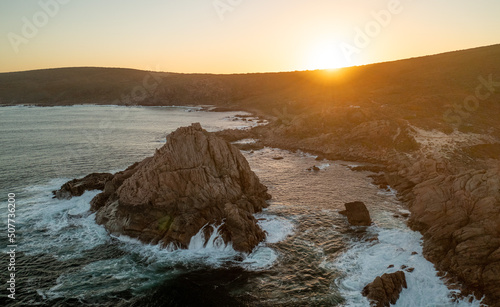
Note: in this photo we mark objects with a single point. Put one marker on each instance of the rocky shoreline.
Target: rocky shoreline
(449, 182)
(452, 190)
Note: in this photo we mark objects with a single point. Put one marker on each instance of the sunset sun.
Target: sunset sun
(326, 55)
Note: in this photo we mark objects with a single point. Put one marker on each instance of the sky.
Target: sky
(237, 36)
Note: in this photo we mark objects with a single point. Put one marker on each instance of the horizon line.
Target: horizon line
(247, 73)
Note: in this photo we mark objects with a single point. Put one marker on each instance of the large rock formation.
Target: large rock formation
(385, 289)
(195, 179)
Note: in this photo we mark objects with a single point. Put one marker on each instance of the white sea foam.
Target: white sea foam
(62, 228)
(245, 141)
(364, 261)
(389, 191)
(305, 154)
(71, 229)
(215, 242)
(214, 252)
(324, 166)
(277, 228)
(144, 266)
(262, 257)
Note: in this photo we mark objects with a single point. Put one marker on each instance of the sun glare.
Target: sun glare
(326, 56)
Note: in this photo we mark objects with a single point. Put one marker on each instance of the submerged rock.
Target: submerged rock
(357, 214)
(314, 168)
(195, 179)
(385, 289)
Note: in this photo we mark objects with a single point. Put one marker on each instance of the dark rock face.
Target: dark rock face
(357, 214)
(195, 179)
(385, 289)
(77, 187)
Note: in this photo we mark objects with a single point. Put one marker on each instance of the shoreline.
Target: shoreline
(414, 179)
(412, 173)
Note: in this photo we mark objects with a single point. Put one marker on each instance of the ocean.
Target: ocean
(311, 256)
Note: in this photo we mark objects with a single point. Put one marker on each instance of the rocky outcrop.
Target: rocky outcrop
(357, 214)
(459, 215)
(452, 191)
(77, 187)
(385, 289)
(195, 179)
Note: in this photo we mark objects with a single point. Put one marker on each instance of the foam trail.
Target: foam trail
(365, 261)
(277, 229)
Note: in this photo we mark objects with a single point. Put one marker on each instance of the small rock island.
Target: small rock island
(195, 179)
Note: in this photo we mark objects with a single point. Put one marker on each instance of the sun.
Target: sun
(326, 55)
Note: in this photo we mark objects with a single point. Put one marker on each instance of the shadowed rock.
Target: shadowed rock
(357, 214)
(385, 289)
(195, 179)
(77, 187)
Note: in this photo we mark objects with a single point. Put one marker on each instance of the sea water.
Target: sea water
(311, 256)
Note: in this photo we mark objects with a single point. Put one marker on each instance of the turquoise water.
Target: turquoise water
(311, 257)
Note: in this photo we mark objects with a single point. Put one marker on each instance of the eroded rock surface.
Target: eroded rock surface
(195, 179)
(77, 187)
(459, 214)
(385, 289)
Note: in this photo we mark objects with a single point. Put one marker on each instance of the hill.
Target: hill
(429, 91)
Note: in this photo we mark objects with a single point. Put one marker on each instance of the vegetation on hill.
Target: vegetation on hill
(432, 92)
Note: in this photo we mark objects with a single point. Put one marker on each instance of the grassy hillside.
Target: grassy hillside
(427, 91)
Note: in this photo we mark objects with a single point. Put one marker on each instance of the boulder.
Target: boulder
(357, 214)
(77, 187)
(196, 179)
(385, 289)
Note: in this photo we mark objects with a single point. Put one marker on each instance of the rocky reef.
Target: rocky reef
(195, 179)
